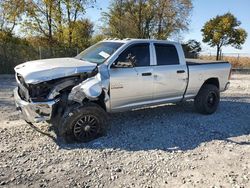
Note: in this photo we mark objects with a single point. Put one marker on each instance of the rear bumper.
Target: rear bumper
(34, 112)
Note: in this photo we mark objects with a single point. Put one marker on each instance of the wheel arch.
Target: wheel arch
(210, 81)
(99, 101)
(213, 81)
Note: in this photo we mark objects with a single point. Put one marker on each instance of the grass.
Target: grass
(237, 62)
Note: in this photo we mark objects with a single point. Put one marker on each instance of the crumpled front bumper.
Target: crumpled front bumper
(34, 112)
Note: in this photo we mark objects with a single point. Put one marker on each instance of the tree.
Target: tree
(40, 18)
(56, 26)
(55, 21)
(97, 38)
(10, 14)
(13, 50)
(81, 33)
(146, 18)
(192, 48)
(172, 16)
(223, 31)
(73, 9)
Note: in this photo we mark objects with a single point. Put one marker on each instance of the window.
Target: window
(166, 54)
(138, 53)
(99, 52)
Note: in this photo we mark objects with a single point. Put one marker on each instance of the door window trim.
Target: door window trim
(151, 54)
(155, 56)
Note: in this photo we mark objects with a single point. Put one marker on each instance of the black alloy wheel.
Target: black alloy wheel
(86, 127)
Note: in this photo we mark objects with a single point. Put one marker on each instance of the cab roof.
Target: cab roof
(128, 40)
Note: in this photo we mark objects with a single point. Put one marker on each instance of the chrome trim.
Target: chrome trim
(34, 112)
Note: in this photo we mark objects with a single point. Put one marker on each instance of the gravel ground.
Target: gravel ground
(170, 146)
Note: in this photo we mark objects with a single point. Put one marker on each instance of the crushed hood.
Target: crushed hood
(49, 69)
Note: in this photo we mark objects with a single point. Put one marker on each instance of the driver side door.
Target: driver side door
(131, 86)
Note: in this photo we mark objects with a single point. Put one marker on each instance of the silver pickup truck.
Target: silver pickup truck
(75, 94)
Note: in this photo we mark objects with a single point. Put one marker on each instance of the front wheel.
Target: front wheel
(207, 100)
(84, 123)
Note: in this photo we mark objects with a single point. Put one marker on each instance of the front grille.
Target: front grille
(39, 92)
(34, 92)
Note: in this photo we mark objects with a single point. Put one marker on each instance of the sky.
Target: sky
(203, 10)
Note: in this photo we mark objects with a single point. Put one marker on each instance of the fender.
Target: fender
(90, 89)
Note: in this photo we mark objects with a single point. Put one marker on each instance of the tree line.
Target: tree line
(147, 19)
(62, 22)
(48, 22)
(61, 27)
(57, 26)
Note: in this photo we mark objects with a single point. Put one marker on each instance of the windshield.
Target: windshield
(99, 52)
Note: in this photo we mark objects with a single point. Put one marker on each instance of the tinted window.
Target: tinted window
(139, 53)
(166, 54)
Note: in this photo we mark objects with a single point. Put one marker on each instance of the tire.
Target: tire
(84, 123)
(207, 100)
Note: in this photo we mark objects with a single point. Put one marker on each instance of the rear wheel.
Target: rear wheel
(84, 123)
(207, 100)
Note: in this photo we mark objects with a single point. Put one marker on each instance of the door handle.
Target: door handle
(180, 71)
(146, 74)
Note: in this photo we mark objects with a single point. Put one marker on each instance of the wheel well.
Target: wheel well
(212, 81)
(99, 102)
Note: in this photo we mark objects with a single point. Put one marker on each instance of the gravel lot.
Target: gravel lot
(170, 146)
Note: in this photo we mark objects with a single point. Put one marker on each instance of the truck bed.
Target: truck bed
(202, 62)
(200, 70)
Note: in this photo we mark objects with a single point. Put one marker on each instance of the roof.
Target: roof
(127, 40)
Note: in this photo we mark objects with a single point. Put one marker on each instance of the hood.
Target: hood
(49, 69)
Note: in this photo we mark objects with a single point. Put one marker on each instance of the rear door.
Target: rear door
(170, 74)
(132, 86)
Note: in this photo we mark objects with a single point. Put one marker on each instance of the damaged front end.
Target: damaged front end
(93, 89)
(34, 111)
(40, 101)
(46, 100)
(48, 87)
